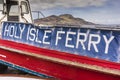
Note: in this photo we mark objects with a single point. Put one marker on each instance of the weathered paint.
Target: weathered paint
(94, 43)
(65, 53)
(59, 70)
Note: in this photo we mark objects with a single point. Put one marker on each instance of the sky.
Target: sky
(96, 11)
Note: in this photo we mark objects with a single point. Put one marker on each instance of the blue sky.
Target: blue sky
(96, 11)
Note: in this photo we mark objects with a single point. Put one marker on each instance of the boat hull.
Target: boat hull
(10, 53)
(67, 53)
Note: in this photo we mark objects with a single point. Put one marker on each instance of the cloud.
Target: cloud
(47, 4)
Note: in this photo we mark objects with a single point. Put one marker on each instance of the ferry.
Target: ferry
(86, 52)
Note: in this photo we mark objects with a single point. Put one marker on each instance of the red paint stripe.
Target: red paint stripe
(63, 72)
(61, 55)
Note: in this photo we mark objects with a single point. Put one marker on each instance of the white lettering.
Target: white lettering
(16, 33)
(94, 43)
(58, 37)
(107, 41)
(32, 34)
(37, 37)
(86, 40)
(11, 29)
(82, 41)
(6, 31)
(21, 31)
(28, 32)
(45, 36)
(69, 39)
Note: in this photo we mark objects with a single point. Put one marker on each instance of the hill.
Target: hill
(64, 19)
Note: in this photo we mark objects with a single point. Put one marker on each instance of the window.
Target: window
(13, 7)
(24, 7)
(1, 4)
